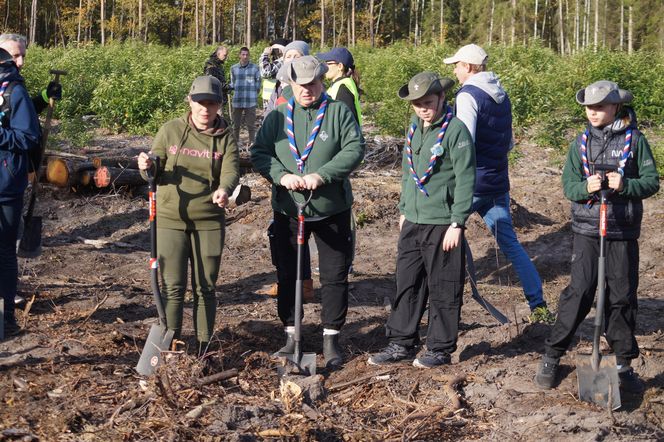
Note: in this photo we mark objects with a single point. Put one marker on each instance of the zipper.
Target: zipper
(9, 169)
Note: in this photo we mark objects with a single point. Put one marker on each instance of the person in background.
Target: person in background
(270, 62)
(282, 92)
(214, 66)
(311, 144)
(344, 79)
(485, 108)
(436, 198)
(19, 134)
(611, 140)
(198, 170)
(246, 84)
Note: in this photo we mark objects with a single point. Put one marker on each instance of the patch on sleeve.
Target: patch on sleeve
(463, 144)
(647, 162)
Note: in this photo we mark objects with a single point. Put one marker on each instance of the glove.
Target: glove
(53, 90)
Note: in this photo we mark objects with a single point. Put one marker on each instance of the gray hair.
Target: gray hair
(13, 37)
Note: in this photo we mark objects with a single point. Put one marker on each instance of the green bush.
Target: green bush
(136, 87)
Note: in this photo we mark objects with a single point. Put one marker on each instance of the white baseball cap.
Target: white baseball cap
(471, 54)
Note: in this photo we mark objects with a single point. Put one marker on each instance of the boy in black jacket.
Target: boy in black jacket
(611, 140)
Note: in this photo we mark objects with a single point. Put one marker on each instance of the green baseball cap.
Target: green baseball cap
(423, 84)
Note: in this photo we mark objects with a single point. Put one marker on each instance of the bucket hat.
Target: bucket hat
(305, 69)
(603, 92)
(422, 84)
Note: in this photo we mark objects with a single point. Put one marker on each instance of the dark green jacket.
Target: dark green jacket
(451, 185)
(338, 150)
(193, 165)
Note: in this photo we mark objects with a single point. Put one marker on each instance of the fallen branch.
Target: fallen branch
(343, 385)
(217, 377)
(128, 406)
(274, 432)
(26, 311)
(96, 307)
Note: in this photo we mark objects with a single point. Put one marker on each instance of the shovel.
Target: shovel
(298, 362)
(29, 245)
(597, 375)
(160, 337)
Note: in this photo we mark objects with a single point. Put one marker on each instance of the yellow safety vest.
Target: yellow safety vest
(268, 87)
(350, 84)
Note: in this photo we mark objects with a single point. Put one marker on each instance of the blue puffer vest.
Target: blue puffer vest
(493, 136)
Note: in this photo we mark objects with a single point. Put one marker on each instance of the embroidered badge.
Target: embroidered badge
(323, 135)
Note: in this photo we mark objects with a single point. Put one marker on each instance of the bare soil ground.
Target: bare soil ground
(70, 376)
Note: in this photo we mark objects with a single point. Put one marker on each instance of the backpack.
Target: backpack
(34, 155)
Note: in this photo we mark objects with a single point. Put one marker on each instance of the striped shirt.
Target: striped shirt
(246, 82)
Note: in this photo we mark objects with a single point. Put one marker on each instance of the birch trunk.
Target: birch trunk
(248, 14)
(322, 23)
(561, 27)
(534, 21)
(102, 23)
(630, 32)
(596, 30)
(442, 21)
(622, 25)
(33, 22)
(513, 39)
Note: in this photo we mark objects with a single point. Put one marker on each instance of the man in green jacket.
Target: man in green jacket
(436, 199)
(311, 143)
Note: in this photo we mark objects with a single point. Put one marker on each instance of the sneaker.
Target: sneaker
(542, 314)
(547, 372)
(392, 353)
(431, 359)
(630, 381)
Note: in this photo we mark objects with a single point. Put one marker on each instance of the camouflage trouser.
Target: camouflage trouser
(177, 251)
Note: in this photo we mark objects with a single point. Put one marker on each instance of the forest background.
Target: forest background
(130, 62)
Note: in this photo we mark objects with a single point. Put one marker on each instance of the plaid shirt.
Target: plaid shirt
(246, 81)
(269, 68)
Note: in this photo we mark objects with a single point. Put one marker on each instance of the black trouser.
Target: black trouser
(421, 260)
(10, 216)
(333, 239)
(622, 280)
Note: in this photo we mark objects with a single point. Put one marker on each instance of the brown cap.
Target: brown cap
(424, 83)
(306, 69)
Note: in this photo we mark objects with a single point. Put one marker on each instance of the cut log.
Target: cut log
(115, 176)
(122, 162)
(63, 172)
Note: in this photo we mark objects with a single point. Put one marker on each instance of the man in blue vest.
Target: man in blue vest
(483, 105)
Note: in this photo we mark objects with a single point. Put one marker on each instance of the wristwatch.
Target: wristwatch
(456, 225)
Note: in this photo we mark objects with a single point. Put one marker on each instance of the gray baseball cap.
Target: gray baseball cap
(422, 84)
(204, 88)
(305, 69)
(603, 92)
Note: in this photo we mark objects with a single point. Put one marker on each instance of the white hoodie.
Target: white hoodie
(466, 106)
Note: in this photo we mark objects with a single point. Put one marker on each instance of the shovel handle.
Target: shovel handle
(154, 262)
(299, 283)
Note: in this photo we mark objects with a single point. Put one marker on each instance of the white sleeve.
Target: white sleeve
(466, 111)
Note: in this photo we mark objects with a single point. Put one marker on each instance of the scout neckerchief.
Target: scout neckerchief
(436, 151)
(621, 164)
(290, 131)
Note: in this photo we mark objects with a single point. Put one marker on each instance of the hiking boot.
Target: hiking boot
(547, 372)
(287, 349)
(332, 351)
(431, 359)
(630, 381)
(541, 314)
(392, 353)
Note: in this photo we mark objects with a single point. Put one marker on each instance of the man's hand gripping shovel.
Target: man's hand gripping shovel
(160, 337)
(298, 362)
(597, 375)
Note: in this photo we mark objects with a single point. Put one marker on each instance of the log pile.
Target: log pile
(79, 172)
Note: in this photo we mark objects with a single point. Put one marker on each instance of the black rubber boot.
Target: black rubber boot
(332, 351)
(11, 326)
(287, 349)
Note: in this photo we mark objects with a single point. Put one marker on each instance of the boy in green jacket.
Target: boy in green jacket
(611, 140)
(436, 199)
(312, 143)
